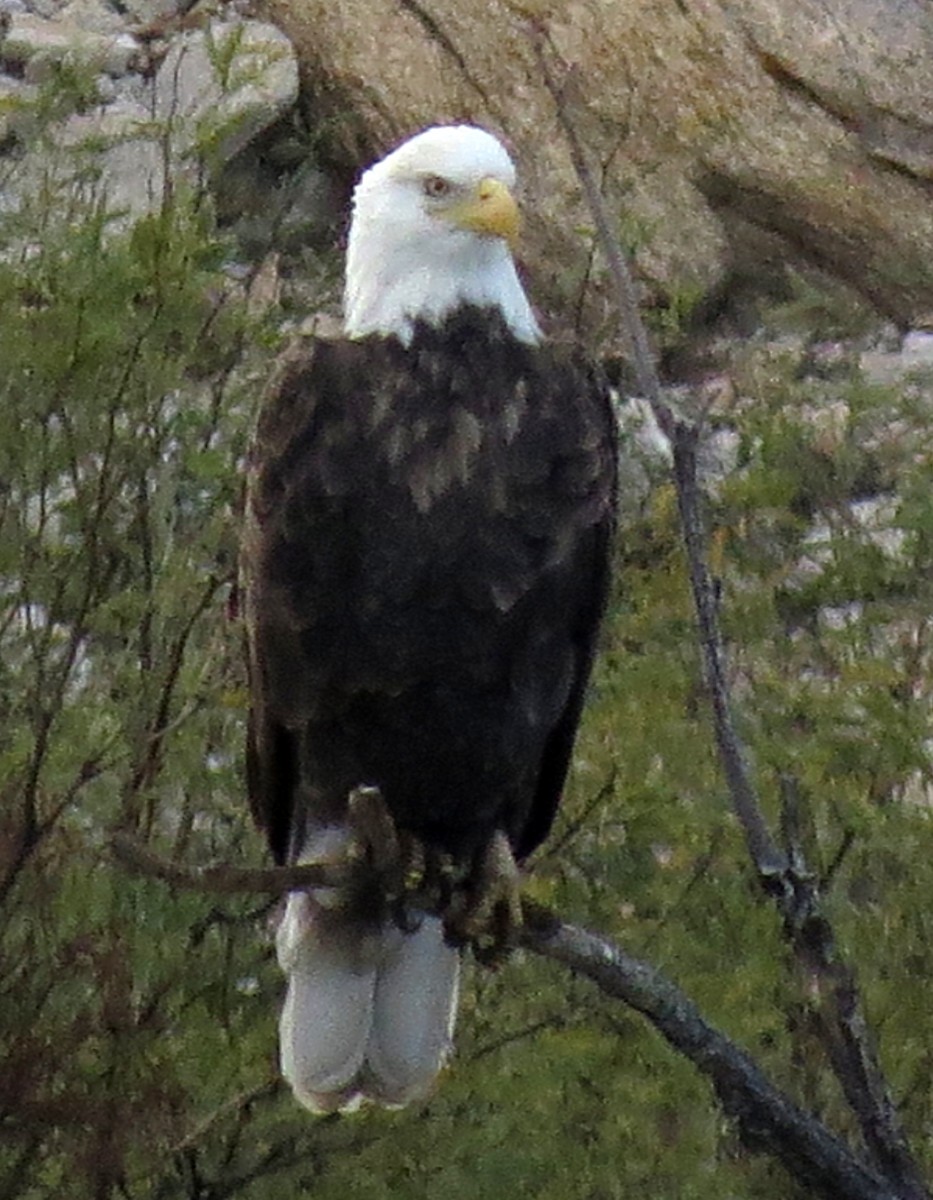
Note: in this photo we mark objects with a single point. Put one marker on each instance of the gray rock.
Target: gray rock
(93, 16)
(15, 97)
(107, 89)
(45, 8)
(891, 366)
(128, 151)
(860, 59)
(222, 86)
(33, 43)
(113, 154)
(149, 12)
(917, 350)
(265, 208)
(215, 90)
(876, 517)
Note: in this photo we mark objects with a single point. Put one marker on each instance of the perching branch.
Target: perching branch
(785, 877)
(768, 1119)
(224, 881)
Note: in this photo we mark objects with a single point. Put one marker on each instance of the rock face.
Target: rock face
(33, 43)
(728, 131)
(731, 136)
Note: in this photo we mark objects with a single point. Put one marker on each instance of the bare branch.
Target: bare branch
(626, 293)
(556, 846)
(231, 1107)
(769, 861)
(146, 768)
(516, 1035)
(767, 1118)
(224, 881)
(683, 437)
(845, 1033)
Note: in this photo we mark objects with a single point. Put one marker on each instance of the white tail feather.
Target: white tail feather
(369, 1013)
(327, 1013)
(414, 1013)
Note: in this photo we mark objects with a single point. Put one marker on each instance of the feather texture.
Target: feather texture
(427, 563)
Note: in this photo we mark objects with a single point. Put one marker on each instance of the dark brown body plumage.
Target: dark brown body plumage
(426, 567)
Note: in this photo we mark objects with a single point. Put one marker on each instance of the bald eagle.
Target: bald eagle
(430, 506)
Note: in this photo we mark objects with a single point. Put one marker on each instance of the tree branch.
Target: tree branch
(224, 881)
(626, 293)
(768, 1119)
(769, 862)
(683, 437)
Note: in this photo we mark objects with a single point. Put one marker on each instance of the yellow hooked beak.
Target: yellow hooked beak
(491, 210)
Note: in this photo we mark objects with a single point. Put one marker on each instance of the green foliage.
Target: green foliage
(121, 423)
(137, 1023)
(68, 86)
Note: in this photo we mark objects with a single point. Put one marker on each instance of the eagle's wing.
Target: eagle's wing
(592, 569)
(271, 745)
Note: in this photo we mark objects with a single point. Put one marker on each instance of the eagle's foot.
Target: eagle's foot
(374, 839)
(395, 873)
(487, 912)
(441, 879)
(393, 869)
(429, 881)
(377, 852)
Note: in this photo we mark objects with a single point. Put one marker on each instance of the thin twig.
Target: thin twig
(232, 1107)
(556, 846)
(516, 1035)
(146, 768)
(626, 293)
(828, 877)
(764, 852)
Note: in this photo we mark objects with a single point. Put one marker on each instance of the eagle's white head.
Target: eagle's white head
(433, 227)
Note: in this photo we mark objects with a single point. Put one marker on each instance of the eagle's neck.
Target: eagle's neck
(388, 291)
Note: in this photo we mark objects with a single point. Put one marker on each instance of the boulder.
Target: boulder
(216, 88)
(220, 86)
(32, 43)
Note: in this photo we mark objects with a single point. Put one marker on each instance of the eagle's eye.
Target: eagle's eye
(435, 186)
